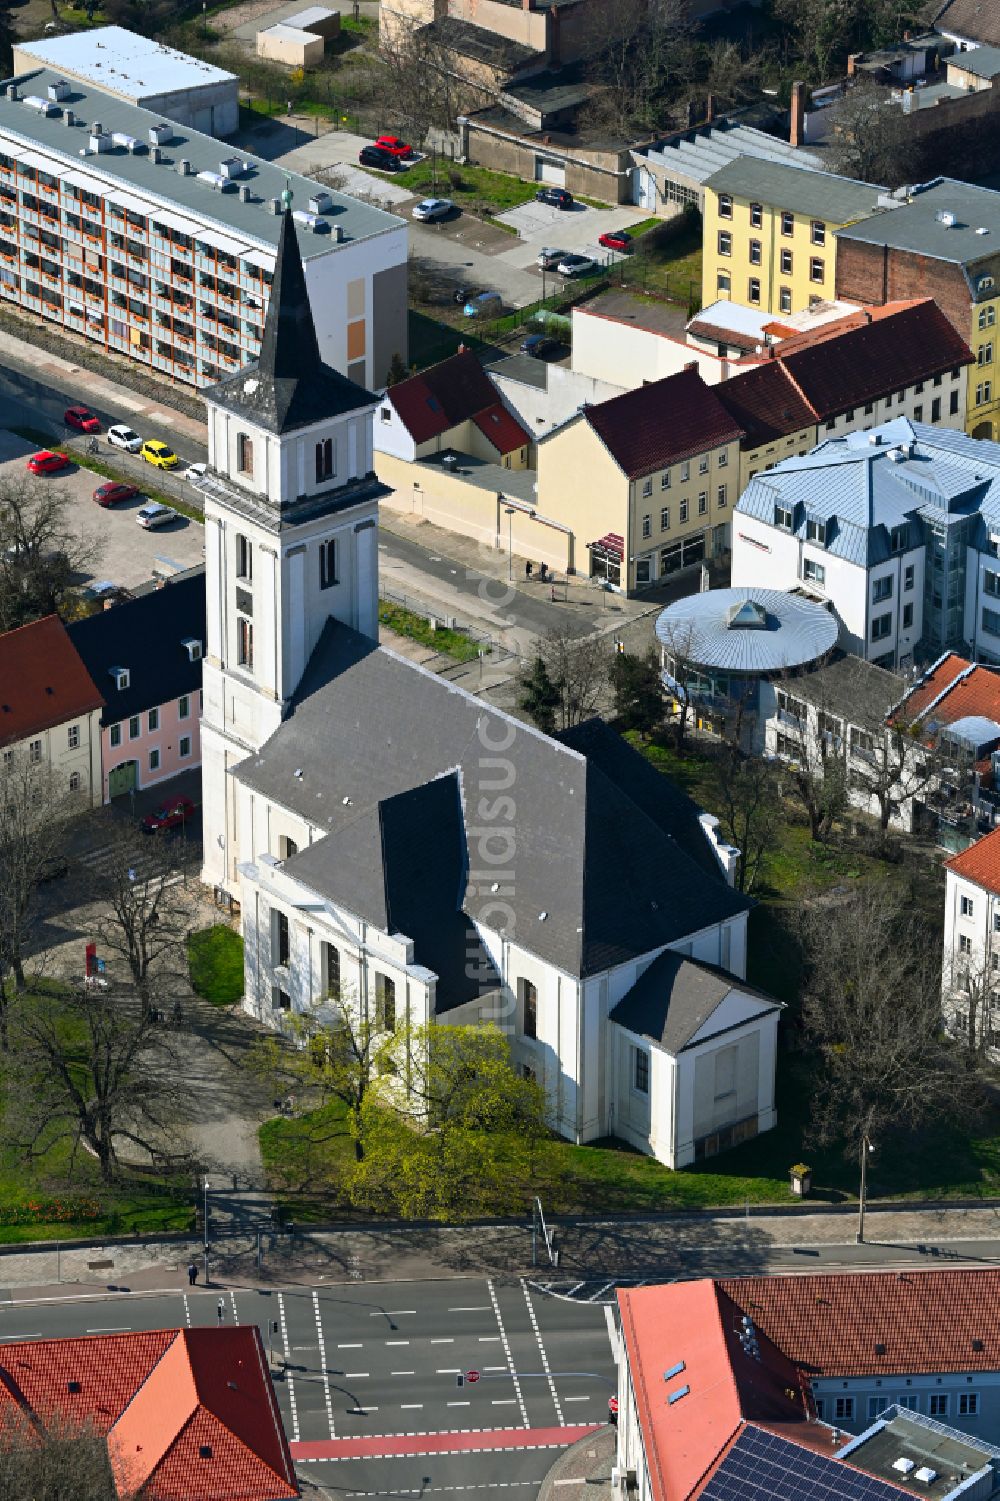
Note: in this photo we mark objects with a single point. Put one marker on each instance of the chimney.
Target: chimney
(709, 109)
(866, 314)
(690, 364)
(797, 115)
(907, 36)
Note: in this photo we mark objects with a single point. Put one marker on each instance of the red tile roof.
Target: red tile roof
(980, 862)
(43, 681)
(938, 679)
(501, 429)
(161, 1398)
(846, 363)
(662, 423)
(929, 1322)
(458, 390)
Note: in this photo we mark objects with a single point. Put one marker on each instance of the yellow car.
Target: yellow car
(159, 454)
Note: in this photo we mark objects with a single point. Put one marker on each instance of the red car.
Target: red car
(82, 418)
(171, 816)
(616, 239)
(112, 493)
(394, 146)
(47, 463)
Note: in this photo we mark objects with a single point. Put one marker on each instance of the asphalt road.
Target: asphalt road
(364, 1364)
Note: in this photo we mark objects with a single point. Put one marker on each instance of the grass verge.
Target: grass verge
(215, 963)
(407, 623)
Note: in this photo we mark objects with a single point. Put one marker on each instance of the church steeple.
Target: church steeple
(289, 386)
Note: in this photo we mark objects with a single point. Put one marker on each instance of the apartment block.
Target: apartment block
(150, 240)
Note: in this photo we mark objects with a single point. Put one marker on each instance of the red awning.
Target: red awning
(610, 546)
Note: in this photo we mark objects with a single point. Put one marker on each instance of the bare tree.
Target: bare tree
(749, 811)
(971, 991)
(889, 764)
(820, 29)
(91, 1068)
(566, 681)
(684, 676)
(53, 1457)
(34, 810)
(144, 909)
(872, 139)
(871, 1011)
(816, 774)
(40, 553)
(637, 48)
(423, 82)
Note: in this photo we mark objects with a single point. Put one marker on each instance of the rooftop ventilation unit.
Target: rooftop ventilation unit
(14, 93)
(43, 106)
(99, 140)
(156, 155)
(184, 167)
(215, 180)
(274, 205)
(310, 221)
(97, 128)
(233, 166)
(320, 203)
(131, 143)
(68, 117)
(160, 134)
(946, 217)
(982, 230)
(903, 1465)
(247, 194)
(926, 1474)
(337, 231)
(875, 439)
(58, 90)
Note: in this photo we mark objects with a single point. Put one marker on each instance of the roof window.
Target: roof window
(121, 676)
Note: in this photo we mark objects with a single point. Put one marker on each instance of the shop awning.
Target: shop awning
(609, 546)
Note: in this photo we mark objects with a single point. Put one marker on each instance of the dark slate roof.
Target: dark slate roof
(855, 689)
(289, 386)
(607, 860)
(978, 20)
(479, 43)
(662, 423)
(673, 999)
(145, 635)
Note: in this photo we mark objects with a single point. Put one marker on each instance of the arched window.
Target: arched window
(324, 459)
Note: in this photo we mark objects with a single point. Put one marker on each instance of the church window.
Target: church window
(244, 558)
(244, 454)
(244, 642)
(385, 1002)
(331, 969)
(324, 459)
(327, 563)
(282, 940)
(529, 1008)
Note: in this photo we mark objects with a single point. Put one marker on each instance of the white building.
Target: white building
(970, 977)
(139, 70)
(154, 242)
(394, 838)
(898, 528)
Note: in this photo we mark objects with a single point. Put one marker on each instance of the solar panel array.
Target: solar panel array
(763, 1467)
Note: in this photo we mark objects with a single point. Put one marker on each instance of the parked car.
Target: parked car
(393, 145)
(158, 454)
(113, 492)
(155, 514)
(539, 345)
(615, 239)
(374, 156)
(483, 304)
(46, 462)
(429, 209)
(558, 197)
(172, 815)
(576, 265)
(105, 590)
(549, 259)
(82, 418)
(120, 436)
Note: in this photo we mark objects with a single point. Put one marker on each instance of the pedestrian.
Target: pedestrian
(288, 106)
(192, 1273)
(221, 1312)
(527, 569)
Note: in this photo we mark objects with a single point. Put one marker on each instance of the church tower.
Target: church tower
(291, 527)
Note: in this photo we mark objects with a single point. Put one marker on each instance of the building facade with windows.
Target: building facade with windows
(938, 242)
(359, 808)
(897, 528)
(768, 236)
(155, 243)
(147, 655)
(970, 968)
(50, 709)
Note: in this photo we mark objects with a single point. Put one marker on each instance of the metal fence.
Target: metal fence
(490, 646)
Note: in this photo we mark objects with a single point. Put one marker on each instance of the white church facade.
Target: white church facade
(393, 840)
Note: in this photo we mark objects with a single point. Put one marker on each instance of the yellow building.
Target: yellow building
(768, 233)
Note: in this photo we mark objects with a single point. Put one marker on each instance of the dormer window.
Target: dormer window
(120, 676)
(783, 517)
(193, 646)
(816, 532)
(899, 538)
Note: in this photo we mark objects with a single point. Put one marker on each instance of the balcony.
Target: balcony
(792, 720)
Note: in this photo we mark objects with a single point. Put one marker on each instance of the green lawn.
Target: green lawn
(407, 623)
(215, 961)
(470, 187)
(666, 261)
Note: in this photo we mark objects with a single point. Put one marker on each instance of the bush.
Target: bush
(215, 961)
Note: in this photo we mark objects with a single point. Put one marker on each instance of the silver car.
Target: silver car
(549, 259)
(154, 514)
(124, 437)
(576, 265)
(429, 209)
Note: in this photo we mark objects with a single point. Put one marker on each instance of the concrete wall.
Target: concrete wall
(290, 46)
(605, 175)
(628, 355)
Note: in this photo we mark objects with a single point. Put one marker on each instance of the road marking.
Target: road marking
(187, 1310)
(609, 1319)
(504, 1401)
(236, 1316)
(506, 1350)
(20, 1336)
(397, 1341)
(289, 1383)
(350, 1347)
(112, 1329)
(471, 1308)
(303, 1347)
(390, 1313)
(459, 1404)
(444, 1339)
(435, 1490)
(487, 1339)
(322, 1365)
(411, 1406)
(448, 1370)
(541, 1351)
(594, 1296)
(402, 1373)
(577, 1399)
(355, 1375)
(361, 1412)
(494, 1367)
(453, 1441)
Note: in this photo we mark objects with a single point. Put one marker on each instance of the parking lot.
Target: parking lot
(125, 553)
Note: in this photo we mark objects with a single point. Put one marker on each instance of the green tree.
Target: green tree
(539, 696)
(638, 690)
(397, 370)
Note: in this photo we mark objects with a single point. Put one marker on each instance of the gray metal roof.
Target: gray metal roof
(866, 483)
(674, 997)
(974, 730)
(981, 62)
(915, 225)
(821, 195)
(249, 224)
(113, 58)
(610, 859)
(696, 154)
(716, 630)
(851, 687)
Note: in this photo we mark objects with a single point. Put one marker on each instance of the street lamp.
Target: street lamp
(509, 513)
(866, 1149)
(205, 1228)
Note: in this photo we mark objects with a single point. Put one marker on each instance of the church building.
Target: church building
(394, 841)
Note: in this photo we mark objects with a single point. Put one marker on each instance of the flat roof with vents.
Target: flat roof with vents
(918, 1454)
(118, 59)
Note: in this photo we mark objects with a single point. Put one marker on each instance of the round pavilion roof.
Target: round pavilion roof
(747, 630)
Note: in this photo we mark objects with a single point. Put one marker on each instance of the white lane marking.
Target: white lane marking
(487, 1339)
(389, 1313)
(303, 1347)
(506, 1350)
(20, 1336)
(471, 1308)
(609, 1319)
(541, 1351)
(434, 1490)
(236, 1316)
(402, 1373)
(350, 1347)
(459, 1404)
(397, 1341)
(361, 1412)
(187, 1310)
(504, 1401)
(409, 1406)
(577, 1399)
(494, 1367)
(112, 1329)
(594, 1296)
(444, 1339)
(448, 1370)
(355, 1375)
(289, 1383)
(322, 1365)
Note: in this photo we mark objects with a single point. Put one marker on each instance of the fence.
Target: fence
(491, 646)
